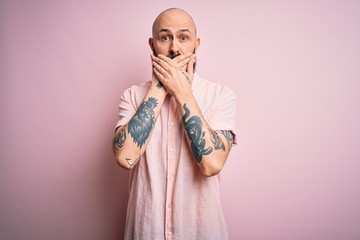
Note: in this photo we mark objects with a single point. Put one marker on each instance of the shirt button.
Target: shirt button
(171, 123)
(170, 149)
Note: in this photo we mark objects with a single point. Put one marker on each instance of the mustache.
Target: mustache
(172, 55)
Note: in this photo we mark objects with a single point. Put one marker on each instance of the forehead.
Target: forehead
(173, 20)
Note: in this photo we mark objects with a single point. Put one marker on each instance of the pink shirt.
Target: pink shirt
(169, 196)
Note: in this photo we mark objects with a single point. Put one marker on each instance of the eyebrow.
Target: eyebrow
(181, 30)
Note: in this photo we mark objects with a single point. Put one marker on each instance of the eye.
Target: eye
(165, 38)
(184, 38)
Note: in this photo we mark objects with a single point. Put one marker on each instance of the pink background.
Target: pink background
(294, 66)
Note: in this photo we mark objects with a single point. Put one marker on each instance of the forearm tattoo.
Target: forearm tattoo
(120, 139)
(142, 123)
(193, 127)
(216, 140)
(229, 137)
(132, 164)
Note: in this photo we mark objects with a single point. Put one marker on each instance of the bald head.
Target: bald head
(173, 16)
(174, 34)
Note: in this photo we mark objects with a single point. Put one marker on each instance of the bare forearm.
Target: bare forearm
(210, 148)
(131, 139)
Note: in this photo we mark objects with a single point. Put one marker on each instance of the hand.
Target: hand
(156, 84)
(176, 74)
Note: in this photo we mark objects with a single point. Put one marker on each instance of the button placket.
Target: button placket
(170, 169)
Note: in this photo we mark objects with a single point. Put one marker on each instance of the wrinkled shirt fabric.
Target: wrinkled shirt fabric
(169, 197)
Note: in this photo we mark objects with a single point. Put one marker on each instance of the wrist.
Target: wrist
(157, 89)
(183, 98)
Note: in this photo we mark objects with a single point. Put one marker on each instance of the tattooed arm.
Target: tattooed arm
(131, 139)
(210, 148)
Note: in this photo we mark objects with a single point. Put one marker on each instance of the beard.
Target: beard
(173, 55)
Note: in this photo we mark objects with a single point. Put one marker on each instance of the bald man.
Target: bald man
(174, 134)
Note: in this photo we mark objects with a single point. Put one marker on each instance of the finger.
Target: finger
(184, 62)
(158, 75)
(182, 57)
(160, 69)
(155, 59)
(170, 62)
(162, 61)
(156, 72)
(178, 62)
(190, 66)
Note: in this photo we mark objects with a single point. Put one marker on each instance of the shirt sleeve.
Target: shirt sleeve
(223, 114)
(126, 108)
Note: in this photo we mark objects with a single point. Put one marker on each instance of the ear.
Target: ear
(151, 44)
(197, 43)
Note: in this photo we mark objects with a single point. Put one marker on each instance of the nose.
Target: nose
(174, 48)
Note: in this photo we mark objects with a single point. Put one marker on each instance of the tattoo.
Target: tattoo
(185, 75)
(193, 127)
(216, 140)
(141, 124)
(120, 139)
(229, 137)
(159, 85)
(131, 165)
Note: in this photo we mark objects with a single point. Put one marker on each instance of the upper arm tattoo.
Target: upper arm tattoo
(216, 140)
(193, 127)
(229, 137)
(119, 139)
(142, 123)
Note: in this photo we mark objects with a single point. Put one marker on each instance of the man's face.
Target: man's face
(174, 34)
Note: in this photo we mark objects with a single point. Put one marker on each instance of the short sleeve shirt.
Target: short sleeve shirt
(169, 196)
